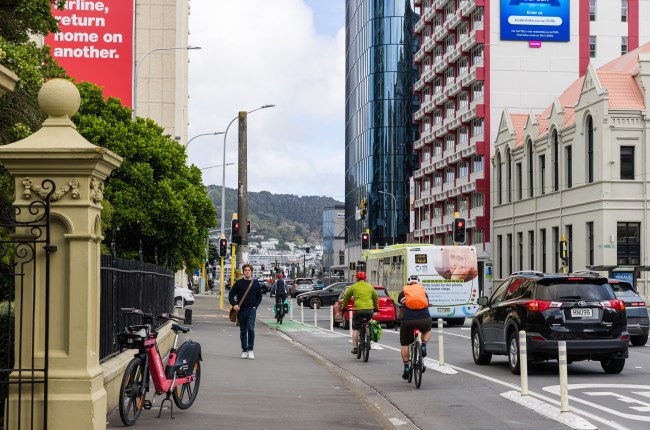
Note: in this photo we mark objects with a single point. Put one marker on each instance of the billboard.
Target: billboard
(541, 20)
(95, 44)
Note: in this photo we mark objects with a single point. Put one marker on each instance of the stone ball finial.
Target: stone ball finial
(59, 97)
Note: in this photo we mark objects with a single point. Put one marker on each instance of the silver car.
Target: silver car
(303, 285)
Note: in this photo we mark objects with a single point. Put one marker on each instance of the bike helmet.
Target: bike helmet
(413, 280)
(280, 276)
(361, 276)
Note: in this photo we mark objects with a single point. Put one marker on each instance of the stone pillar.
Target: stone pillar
(58, 153)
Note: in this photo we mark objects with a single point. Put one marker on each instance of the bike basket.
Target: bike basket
(132, 339)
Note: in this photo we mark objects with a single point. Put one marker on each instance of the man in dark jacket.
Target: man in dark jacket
(247, 308)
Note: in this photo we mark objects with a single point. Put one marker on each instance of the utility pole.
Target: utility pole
(242, 190)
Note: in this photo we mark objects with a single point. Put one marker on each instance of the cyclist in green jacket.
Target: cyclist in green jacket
(365, 303)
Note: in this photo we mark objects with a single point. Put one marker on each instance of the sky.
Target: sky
(290, 53)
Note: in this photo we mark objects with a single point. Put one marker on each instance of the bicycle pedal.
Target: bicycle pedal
(147, 404)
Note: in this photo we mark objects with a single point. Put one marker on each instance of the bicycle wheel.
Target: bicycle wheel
(362, 341)
(184, 395)
(366, 346)
(411, 354)
(132, 392)
(417, 363)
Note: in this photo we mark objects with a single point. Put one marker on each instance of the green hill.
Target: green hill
(286, 217)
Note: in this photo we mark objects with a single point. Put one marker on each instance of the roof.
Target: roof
(616, 77)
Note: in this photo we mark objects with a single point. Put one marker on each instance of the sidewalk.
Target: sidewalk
(285, 387)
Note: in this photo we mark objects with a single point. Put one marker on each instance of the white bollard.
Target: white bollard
(331, 318)
(315, 316)
(564, 379)
(302, 313)
(350, 315)
(441, 344)
(523, 363)
(291, 303)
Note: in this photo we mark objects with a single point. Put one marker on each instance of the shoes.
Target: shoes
(244, 354)
(355, 350)
(251, 356)
(424, 350)
(407, 372)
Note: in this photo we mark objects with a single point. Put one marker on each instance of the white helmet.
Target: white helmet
(413, 280)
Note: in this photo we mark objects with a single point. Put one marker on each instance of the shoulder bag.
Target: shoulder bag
(233, 312)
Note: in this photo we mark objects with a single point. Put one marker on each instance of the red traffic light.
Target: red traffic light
(460, 224)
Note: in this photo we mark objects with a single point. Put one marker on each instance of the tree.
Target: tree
(153, 196)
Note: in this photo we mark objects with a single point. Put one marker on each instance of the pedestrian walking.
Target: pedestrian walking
(245, 296)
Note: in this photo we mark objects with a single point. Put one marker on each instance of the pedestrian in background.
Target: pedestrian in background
(245, 296)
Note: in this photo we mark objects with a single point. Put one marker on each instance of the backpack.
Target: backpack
(280, 287)
(375, 331)
(415, 297)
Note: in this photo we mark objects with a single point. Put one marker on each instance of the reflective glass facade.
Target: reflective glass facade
(333, 236)
(380, 103)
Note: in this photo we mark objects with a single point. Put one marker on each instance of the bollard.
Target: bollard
(291, 309)
(302, 313)
(350, 315)
(523, 363)
(315, 316)
(441, 344)
(331, 318)
(564, 383)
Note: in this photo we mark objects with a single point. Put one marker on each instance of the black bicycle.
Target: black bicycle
(363, 349)
(415, 356)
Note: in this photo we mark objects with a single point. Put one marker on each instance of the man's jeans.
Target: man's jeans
(247, 328)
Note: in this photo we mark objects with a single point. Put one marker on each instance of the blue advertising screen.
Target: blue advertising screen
(544, 20)
(624, 276)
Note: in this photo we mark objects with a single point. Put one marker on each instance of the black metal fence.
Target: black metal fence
(130, 284)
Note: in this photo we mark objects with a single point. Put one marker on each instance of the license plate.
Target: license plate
(444, 310)
(581, 313)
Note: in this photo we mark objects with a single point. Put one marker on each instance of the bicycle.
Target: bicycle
(363, 349)
(179, 379)
(416, 359)
(281, 309)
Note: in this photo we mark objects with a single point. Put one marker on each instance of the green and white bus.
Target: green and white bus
(449, 274)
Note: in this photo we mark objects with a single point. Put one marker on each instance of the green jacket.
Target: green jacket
(365, 296)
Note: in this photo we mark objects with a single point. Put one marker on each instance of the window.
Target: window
(427, 94)
(542, 174)
(623, 45)
(449, 175)
(426, 154)
(569, 167)
(449, 76)
(569, 242)
(556, 161)
(478, 237)
(477, 55)
(556, 249)
(450, 208)
(520, 249)
(627, 162)
(509, 251)
(590, 243)
(463, 100)
(590, 150)
(437, 179)
(477, 163)
(463, 169)
(592, 46)
(519, 182)
(477, 200)
(463, 66)
(624, 11)
(450, 111)
(592, 10)
(499, 256)
(437, 117)
(542, 247)
(463, 135)
(450, 142)
(462, 204)
(449, 44)
(530, 169)
(477, 91)
(499, 180)
(509, 177)
(531, 247)
(463, 30)
(628, 247)
(437, 211)
(437, 84)
(427, 124)
(477, 127)
(437, 148)
(426, 184)
(477, 17)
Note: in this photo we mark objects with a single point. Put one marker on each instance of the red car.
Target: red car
(385, 315)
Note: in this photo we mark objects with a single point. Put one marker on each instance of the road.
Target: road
(472, 396)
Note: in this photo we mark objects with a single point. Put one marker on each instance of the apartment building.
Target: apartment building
(578, 172)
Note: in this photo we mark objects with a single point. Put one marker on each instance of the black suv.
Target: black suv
(580, 309)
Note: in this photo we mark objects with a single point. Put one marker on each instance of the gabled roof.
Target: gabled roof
(616, 77)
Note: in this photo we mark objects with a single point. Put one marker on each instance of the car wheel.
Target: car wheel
(513, 352)
(179, 302)
(613, 366)
(315, 303)
(639, 340)
(478, 352)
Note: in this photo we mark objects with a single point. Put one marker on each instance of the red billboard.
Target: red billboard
(95, 44)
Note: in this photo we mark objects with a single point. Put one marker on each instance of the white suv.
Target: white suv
(303, 285)
(182, 296)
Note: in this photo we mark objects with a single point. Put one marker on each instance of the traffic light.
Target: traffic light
(365, 240)
(459, 230)
(223, 247)
(234, 232)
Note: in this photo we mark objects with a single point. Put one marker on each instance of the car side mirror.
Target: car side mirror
(483, 300)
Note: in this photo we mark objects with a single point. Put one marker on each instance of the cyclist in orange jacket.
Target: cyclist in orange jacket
(414, 314)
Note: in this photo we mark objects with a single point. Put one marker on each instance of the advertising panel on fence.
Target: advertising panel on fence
(542, 20)
(95, 44)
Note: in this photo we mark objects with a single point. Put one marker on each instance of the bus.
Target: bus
(449, 275)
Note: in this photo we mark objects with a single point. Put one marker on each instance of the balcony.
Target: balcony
(476, 74)
(468, 7)
(454, 21)
(476, 212)
(455, 88)
(429, 74)
(419, 84)
(429, 44)
(471, 113)
(437, 4)
(453, 158)
(418, 173)
(468, 188)
(420, 54)
(419, 143)
(419, 113)
(429, 138)
(420, 25)
(439, 33)
(428, 108)
(454, 123)
(476, 139)
(441, 163)
(478, 101)
(473, 39)
(468, 150)
(461, 181)
(475, 176)
(454, 54)
(428, 14)
(437, 127)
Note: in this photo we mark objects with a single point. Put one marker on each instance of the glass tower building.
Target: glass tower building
(379, 129)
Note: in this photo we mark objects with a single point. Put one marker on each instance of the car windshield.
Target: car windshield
(573, 292)
(303, 281)
(623, 290)
(381, 292)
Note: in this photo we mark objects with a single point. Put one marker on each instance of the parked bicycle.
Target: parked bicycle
(179, 380)
(415, 356)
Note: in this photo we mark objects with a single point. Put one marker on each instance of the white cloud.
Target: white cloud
(258, 52)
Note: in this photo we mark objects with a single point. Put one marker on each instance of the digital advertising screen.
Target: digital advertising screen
(95, 44)
(539, 20)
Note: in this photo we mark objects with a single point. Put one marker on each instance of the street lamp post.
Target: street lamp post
(216, 133)
(137, 71)
(394, 214)
(223, 192)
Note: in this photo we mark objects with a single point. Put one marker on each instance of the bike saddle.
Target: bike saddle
(181, 328)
